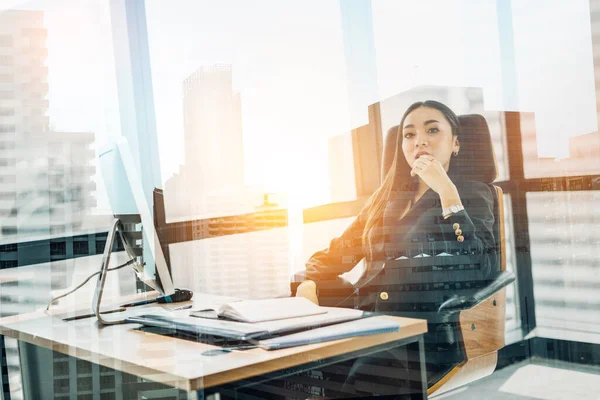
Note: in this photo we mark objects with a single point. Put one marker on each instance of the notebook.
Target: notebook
(262, 310)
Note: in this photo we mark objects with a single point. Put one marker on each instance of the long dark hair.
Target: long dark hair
(397, 176)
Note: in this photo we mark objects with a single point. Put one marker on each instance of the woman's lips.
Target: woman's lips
(422, 153)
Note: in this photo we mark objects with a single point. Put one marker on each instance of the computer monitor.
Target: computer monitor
(130, 208)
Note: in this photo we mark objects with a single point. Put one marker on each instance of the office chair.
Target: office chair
(465, 314)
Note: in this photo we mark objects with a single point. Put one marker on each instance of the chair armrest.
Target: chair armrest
(460, 303)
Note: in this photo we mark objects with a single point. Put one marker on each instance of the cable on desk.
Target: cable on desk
(86, 281)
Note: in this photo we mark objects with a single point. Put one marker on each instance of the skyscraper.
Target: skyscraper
(212, 127)
(213, 157)
(23, 88)
(45, 176)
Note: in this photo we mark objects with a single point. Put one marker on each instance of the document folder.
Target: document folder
(361, 327)
(242, 330)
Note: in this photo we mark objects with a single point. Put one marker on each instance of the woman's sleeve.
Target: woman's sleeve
(343, 253)
(476, 224)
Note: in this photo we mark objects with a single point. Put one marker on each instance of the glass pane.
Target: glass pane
(58, 101)
(565, 234)
(255, 109)
(560, 137)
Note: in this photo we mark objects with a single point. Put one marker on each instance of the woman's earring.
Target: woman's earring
(455, 153)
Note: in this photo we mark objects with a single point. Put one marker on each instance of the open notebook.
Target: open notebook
(262, 310)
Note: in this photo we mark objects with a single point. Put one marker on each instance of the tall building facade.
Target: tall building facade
(214, 156)
(45, 176)
(23, 104)
(213, 127)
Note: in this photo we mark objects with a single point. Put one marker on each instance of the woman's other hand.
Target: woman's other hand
(308, 290)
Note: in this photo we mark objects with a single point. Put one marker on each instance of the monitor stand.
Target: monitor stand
(103, 272)
(178, 295)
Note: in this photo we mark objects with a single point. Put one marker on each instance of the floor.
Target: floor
(533, 379)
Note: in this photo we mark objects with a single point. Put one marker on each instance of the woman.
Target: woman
(422, 208)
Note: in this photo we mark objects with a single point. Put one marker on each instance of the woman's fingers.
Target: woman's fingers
(421, 164)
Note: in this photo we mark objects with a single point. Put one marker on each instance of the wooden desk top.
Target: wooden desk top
(172, 361)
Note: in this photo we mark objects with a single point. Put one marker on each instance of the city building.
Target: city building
(46, 181)
(214, 156)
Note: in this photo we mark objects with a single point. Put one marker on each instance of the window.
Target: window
(7, 128)
(6, 60)
(80, 247)
(8, 196)
(8, 247)
(6, 95)
(8, 264)
(8, 178)
(6, 41)
(7, 112)
(6, 78)
(58, 248)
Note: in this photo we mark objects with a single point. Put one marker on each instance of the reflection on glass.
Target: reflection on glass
(246, 112)
(580, 155)
(565, 236)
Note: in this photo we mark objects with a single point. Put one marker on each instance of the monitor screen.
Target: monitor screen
(129, 205)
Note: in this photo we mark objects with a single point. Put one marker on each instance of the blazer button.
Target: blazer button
(383, 296)
(458, 232)
(456, 226)
(460, 238)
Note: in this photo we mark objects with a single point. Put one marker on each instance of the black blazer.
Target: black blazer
(421, 230)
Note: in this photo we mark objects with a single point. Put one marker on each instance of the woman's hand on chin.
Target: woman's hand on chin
(432, 172)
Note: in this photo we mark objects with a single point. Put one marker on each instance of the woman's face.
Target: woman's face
(427, 131)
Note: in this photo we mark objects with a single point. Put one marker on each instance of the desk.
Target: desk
(171, 362)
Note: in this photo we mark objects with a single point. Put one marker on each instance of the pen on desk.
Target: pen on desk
(139, 303)
(183, 307)
(83, 316)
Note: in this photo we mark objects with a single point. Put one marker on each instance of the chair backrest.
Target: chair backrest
(476, 159)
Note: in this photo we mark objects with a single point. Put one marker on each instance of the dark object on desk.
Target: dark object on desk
(89, 315)
(226, 344)
(177, 297)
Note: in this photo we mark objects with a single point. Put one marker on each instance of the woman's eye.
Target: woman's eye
(409, 135)
(433, 130)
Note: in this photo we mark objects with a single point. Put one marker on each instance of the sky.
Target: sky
(289, 66)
